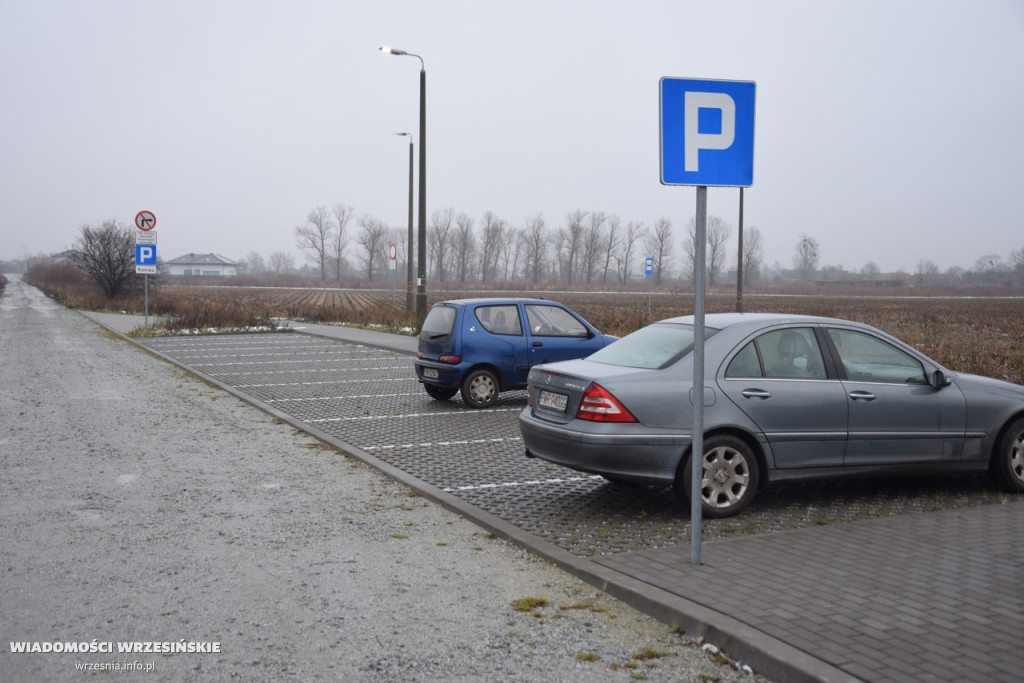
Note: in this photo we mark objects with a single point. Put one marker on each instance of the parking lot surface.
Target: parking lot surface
(877, 581)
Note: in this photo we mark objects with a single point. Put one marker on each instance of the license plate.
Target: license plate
(430, 373)
(552, 401)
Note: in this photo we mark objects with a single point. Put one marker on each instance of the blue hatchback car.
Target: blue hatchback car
(485, 346)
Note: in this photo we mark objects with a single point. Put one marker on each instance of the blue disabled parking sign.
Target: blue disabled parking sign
(707, 132)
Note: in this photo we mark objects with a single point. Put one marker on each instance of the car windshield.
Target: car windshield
(439, 322)
(652, 347)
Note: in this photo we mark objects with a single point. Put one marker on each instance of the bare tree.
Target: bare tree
(107, 255)
(372, 236)
(281, 262)
(492, 243)
(717, 233)
(1017, 261)
(569, 243)
(254, 263)
(808, 254)
(611, 244)
(511, 251)
(535, 247)
(314, 237)
(593, 244)
(635, 232)
(465, 244)
(659, 247)
(926, 272)
(342, 216)
(753, 254)
(440, 240)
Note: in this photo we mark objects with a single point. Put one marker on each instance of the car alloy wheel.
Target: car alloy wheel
(729, 479)
(480, 389)
(1008, 459)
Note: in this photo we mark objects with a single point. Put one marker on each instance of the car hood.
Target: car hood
(988, 385)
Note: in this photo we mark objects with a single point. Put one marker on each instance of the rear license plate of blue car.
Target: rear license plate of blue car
(430, 373)
(552, 401)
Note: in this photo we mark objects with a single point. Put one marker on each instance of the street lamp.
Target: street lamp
(421, 256)
(408, 253)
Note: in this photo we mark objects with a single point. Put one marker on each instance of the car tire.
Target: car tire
(480, 389)
(1007, 466)
(730, 479)
(440, 393)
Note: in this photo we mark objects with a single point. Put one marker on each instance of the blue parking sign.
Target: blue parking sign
(145, 254)
(707, 132)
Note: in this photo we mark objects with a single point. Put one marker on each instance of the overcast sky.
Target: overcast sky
(889, 130)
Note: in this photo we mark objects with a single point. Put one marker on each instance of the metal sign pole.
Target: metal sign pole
(145, 289)
(697, 396)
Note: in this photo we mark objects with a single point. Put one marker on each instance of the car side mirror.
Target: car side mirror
(940, 380)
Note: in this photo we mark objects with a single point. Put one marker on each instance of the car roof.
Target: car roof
(492, 301)
(720, 321)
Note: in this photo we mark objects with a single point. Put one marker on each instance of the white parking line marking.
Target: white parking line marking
(513, 484)
(326, 381)
(339, 398)
(430, 444)
(396, 417)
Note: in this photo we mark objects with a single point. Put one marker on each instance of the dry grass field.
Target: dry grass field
(981, 334)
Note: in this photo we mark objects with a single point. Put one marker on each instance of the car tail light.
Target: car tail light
(452, 360)
(598, 405)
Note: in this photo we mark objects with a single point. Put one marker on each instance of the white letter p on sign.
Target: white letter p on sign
(694, 140)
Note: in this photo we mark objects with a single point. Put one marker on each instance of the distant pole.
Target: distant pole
(739, 262)
(409, 248)
(421, 257)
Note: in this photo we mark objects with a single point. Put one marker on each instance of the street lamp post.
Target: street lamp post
(408, 253)
(421, 256)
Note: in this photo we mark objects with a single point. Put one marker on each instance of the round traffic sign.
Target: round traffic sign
(145, 220)
(392, 252)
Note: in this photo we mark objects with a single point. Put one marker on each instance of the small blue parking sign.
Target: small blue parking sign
(707, 132)
(145, 254)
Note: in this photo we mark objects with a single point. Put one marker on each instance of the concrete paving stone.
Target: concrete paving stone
(917, 593)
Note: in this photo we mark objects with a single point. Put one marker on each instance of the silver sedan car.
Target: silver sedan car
(786, 397)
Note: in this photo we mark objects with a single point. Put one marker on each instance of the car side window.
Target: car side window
(552, 321)
(502, 319)
(790, 353)
(745, 363)
(866, 358)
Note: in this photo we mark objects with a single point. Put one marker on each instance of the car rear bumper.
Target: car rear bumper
(646, 458)
(439, 374)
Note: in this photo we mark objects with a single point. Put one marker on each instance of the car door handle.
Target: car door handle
(756, 393)
(862, 396)
(538, 344)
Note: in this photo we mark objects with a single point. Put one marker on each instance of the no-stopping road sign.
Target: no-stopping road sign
(145, 220)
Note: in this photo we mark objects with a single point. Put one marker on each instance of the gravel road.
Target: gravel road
(143, 507)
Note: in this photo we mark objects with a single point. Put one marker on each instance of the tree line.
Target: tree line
(586, 248)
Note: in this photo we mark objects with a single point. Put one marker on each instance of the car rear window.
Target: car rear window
(439, 323)
(652, 347)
